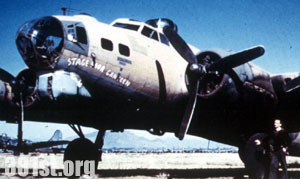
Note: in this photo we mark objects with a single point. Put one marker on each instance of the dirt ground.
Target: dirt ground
(150, 165)
(142, 160)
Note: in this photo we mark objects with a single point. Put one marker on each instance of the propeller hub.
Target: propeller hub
(197, 68)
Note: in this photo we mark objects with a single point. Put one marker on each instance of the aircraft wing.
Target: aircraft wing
(37, 145)
(293, 85)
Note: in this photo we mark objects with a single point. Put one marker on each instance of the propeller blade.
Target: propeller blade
(293, 84)
(180, 45)
(237, 59)
(5, 76)
(188, 115)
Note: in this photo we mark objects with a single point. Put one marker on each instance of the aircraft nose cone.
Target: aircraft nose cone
(40, 42)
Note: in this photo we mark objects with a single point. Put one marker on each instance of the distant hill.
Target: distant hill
(129, 140)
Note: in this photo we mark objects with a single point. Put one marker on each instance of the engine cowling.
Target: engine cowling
(213, 83)
(23, 87)
(26, 82)
(47, 85)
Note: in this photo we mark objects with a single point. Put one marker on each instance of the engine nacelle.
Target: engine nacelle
(61, 84)
(5, 92)
(7, 105)
(212, 84)
(11, 93)
(247, 77)
(49, 86)
(27, 84)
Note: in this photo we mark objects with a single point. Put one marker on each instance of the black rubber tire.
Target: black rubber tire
(241, 153)
(256, 161)
(82, 150)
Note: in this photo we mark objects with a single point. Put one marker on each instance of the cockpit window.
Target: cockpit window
(164, 39)
(81, 35)
(76, 37)
(77, 34)
(127, 26)
(150, 33)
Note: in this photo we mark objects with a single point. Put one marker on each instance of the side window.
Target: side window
(71, 32)
(77, 38)
(124, 50)
(81, 35)
(150, 33)
(77, 33)
(164, 39)
(106, 44)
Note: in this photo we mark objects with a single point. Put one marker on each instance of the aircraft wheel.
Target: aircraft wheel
(255, 159)
(81, 150)
(241, 153)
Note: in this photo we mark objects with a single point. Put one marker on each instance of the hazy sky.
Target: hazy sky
(235, 25)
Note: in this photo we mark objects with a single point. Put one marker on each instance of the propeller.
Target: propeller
(17, 85)
(20, 88)
(222, 65)
(237, 59)
(24, 82)
(5, 76)
(180, 45)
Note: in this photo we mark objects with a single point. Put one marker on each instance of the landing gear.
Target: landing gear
(99, 142)
(255, 157)
(20, 145)
(82, 149)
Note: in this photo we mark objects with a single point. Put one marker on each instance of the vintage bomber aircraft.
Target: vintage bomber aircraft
(11, 144)
(143, 75)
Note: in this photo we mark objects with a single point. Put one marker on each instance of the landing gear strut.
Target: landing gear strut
(99, 142)
(20, 144)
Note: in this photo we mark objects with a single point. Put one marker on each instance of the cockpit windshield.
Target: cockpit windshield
(127, 26)
(161, 23)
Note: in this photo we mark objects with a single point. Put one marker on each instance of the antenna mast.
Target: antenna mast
(64, 10)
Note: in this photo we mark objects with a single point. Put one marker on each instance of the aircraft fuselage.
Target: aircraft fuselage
(127, 75)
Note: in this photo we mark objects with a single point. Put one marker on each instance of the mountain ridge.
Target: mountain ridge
(130, 140)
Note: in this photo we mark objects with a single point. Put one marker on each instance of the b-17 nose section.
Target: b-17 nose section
(40, 42)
